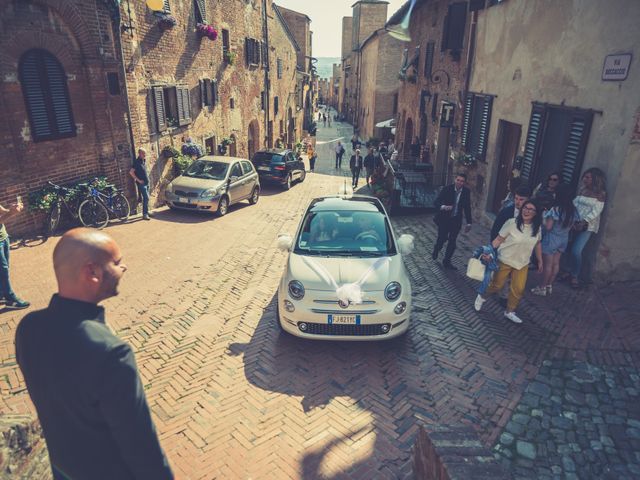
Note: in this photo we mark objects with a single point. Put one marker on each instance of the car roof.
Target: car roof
(278, 151)
(220, 158)
(361, 203)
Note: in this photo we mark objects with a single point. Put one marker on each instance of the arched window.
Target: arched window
(44, 86)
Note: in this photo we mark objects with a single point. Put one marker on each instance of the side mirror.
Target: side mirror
(405, 244)
(232, 179)
(285, 242)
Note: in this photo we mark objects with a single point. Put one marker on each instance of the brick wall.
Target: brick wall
(299, 25)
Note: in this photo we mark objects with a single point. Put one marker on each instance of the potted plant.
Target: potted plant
(465, 159)
(166, 21)
(170, 152)
(226, 141)
(206, 30)
(181, 163)
(191, 149)
(229, 57)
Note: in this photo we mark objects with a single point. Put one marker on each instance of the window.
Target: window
(236, 171)
(226, 44)
(171, 106)
(454, 27)
(252, 48)
(276, 105)
(264, 54)
(208, 92)
(556, 140)
(232, 103)
(246, 167)
(44, 87)
(475, 124)
(114, 83)
(279, 67)
(210, 145)
(263, 100)
(200, 11)
(428, 59)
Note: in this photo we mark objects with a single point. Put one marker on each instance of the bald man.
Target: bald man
(83, 380)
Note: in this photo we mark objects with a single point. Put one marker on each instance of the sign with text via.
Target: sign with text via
(616, 67)
(447, 114)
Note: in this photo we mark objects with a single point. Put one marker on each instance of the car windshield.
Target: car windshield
(345, 233)
(207, 169)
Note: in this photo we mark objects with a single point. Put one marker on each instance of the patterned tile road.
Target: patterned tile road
(235, 399)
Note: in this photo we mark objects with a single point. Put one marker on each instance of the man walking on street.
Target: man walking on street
(355, 164)
(7, 295)
(339, 152)
(369, 165)
(522, 194)
(452, 201)
(82, 379)
(141, 176)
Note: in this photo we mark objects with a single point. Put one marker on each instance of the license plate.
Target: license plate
(344, 319)
(183, 200)
(264, 169)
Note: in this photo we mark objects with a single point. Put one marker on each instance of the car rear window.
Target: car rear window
(265, 158)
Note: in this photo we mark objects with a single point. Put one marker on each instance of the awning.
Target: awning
(393, 131)
(387, 123)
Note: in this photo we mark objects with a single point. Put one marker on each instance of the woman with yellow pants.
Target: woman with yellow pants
(515, 242)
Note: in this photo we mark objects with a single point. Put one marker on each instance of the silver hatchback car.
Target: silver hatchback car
(212, 183)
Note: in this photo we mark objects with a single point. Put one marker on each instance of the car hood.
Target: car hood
(191, 183)
(309, 270)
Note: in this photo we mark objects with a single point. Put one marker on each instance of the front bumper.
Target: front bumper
(193, 203)
(378, 321)
(272, 178)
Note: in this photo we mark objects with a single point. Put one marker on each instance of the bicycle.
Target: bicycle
(109, 197)
(67, 197)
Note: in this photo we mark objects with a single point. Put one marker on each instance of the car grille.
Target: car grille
(345, 330)
(182, 193)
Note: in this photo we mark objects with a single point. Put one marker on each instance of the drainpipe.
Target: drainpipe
(267, 89)
(470, 54)
(118, 36)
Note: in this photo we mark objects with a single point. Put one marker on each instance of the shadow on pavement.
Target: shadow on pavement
(353, 374)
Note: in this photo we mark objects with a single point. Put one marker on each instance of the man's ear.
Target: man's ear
(92, 273)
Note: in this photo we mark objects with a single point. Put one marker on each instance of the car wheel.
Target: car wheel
(255, 196)
(223, 206)
(287, 185)
(303, 176)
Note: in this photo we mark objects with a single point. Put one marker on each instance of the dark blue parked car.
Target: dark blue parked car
(279, 166)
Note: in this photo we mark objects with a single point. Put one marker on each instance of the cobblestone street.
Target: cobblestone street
(555, 397)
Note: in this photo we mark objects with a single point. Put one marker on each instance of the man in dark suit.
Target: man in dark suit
(82, 379)
(355, 164)
(452, 201)
(511, 210)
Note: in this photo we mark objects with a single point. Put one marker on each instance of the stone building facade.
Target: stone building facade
(378, 83)
(562, 97)
(85, 85)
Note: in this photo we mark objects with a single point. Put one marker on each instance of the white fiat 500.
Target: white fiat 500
(345, 278)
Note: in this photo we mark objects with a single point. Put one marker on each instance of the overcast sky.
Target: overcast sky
(326, 21)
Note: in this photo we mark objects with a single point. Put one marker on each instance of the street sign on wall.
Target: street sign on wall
(447, 114)
(616, 67)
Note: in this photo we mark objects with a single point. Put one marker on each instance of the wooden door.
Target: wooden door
(508, 141)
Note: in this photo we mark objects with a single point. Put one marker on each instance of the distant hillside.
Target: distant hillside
(325, 66)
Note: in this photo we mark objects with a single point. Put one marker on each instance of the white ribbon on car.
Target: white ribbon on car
(349, 293)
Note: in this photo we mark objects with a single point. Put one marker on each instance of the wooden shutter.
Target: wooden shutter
(184, 105)
(579, 129)
(32, 82)
(279, 67)
(59, 96)
(166, 8)
(158, 102)
(200, 11)
(257, 52)
(276, 105)
(466, 120)
(532, 144)
(203, 92)
(248, 53)
(265, 54)
(214, 93)
(485, 121)
(428, 60)
(455, 23)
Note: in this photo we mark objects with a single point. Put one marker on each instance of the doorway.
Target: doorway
(508, 141)
(233, 147)
(442, 155)
(253, 139)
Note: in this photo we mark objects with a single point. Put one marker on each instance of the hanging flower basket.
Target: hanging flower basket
(191, 149)
(166, 22)
(227, 141)
(230, 57)
(205, 30)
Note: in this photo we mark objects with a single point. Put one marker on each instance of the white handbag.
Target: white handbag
(475, 269)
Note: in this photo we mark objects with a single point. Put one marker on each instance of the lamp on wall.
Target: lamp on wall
(401, 30)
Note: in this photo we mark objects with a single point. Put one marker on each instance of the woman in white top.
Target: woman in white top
(589, 203)
(517, 239)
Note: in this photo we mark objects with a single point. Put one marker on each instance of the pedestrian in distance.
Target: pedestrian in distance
(83, 379)
(312, 160)
(339, 149)
(329, 119)
(517, 239)
(324, 119)
(140, 175)
(355, 164)
(557, 224)
(451, 203)
(7, 295)
(590, 204)
(369, 165)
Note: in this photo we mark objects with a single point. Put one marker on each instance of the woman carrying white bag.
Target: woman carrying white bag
(517, 239)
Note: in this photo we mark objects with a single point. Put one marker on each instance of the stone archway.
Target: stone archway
(253, 138)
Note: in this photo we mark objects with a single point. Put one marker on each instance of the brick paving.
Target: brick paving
(235, 399)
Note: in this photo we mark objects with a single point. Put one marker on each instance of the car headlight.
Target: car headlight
(170, 188)
(210, 193)
(296, 290)
(392, 291)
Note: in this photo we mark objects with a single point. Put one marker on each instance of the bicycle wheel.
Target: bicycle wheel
(53, 219)
(120, 207)
(93, 214)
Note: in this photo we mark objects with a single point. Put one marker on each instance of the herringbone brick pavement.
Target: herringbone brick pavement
(235, 399)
